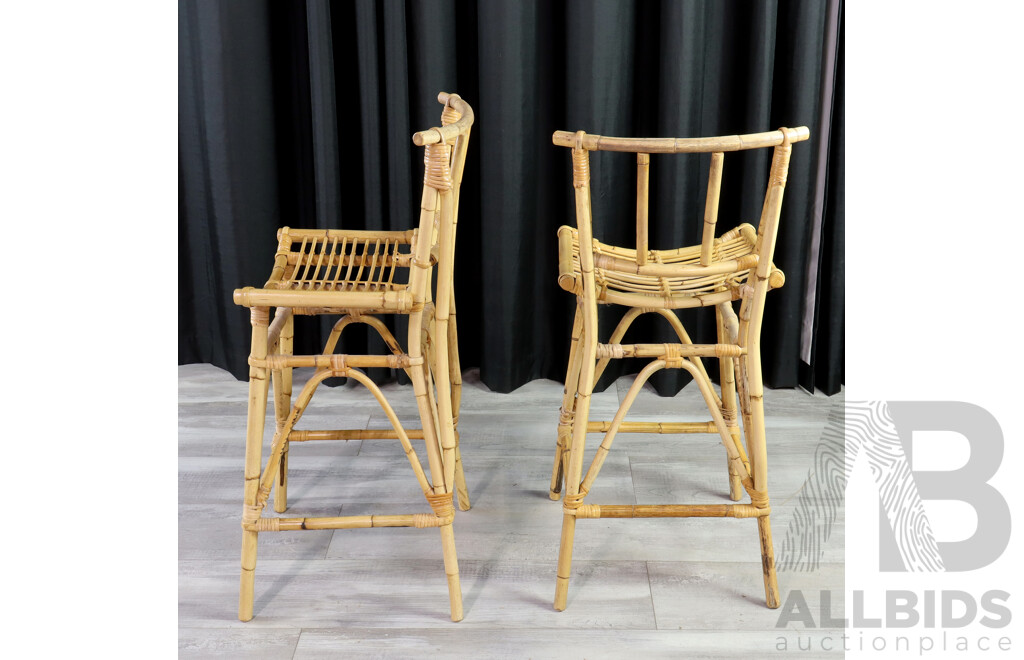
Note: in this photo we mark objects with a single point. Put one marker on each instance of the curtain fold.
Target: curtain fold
(301, 114)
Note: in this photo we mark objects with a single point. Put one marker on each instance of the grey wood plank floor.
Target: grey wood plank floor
(657, 588)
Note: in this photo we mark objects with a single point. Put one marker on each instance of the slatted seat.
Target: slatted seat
(735, 266)
(359, 275)
(335, 261)
(663, 282)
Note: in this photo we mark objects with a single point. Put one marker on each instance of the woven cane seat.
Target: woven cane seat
(618, 281)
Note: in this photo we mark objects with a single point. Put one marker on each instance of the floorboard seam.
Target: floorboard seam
(650, 590)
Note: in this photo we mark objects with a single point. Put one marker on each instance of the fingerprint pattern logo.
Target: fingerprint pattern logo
(859, 427)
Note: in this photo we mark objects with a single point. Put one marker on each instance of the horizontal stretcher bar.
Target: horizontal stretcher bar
(654, 427)
(386, 300)
(357, 434)
(670, 511)
(405, 236)
(618, 351)
(337, 362)
(342, 522)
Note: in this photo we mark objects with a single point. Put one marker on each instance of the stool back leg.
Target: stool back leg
(588, 349)
(759, 469)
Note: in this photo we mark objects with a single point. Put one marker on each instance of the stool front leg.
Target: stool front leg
(258, 386)
(568, 410)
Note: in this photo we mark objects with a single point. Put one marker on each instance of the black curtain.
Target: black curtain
(301, 114)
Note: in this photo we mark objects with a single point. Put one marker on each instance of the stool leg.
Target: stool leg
(759, 467)
(451, 570)
(431, 422)
(451, 562)
(771, 581)
(461, 491)
(573, 472)
(455, 375)
(258, 385)
(568, 409)
(282, 407)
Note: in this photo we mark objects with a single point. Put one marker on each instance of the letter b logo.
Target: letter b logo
(902, 524)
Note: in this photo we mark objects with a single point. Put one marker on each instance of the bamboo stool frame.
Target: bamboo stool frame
(361, 275)
(720, 270)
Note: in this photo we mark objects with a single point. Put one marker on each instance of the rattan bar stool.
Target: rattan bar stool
(360, 275)
(735, 266)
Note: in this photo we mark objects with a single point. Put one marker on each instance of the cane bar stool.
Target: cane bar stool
(360, 275)
(735, 266)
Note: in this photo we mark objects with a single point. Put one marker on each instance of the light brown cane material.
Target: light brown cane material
(643, 184)
(359, 276)
(734, 266)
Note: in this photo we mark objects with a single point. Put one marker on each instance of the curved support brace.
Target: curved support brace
(742, 393)
(609, 437)
(279, 442)
(455, 376)
(728, 328)
(627, 321)
(414, 460)
(373, 322)
(617, 335)
(282, 344)
(677, 325)
(737, 463)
